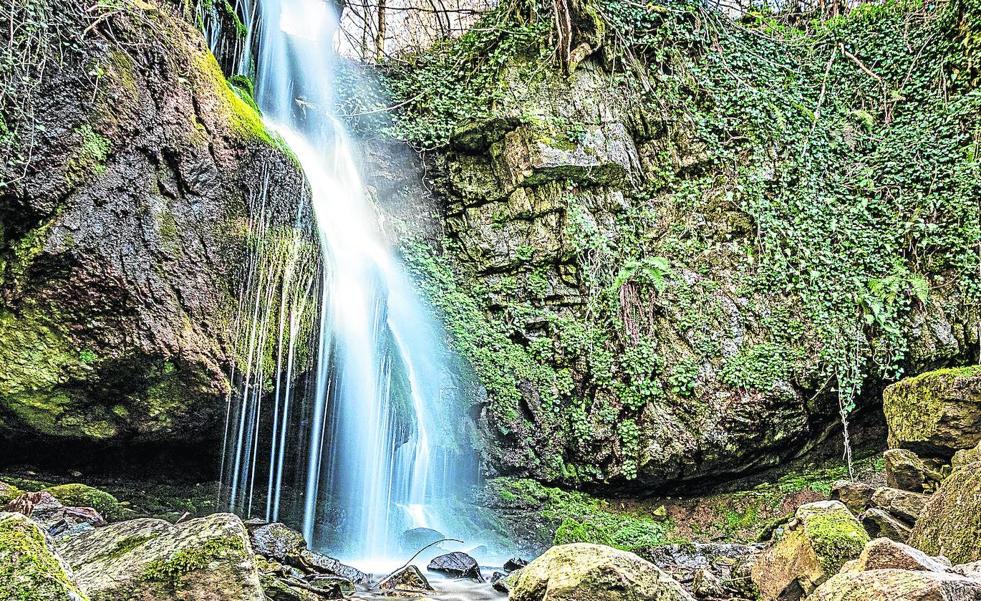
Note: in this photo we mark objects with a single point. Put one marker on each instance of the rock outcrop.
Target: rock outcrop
(585, 572)
(136, 182)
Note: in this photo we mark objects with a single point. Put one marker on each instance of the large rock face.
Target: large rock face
(206, 559)
(599, 269)
(134, 185)
(950, 523)
(29, 567)
(584, 572)
(936, 413)
(897, 585)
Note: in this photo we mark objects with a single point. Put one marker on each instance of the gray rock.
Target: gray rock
(887, 554)
(456, 565)
(883, 524)
(897, 585)
(906, 471)
(30, 568)
(902, 504)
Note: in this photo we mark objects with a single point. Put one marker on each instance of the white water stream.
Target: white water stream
(369, 449)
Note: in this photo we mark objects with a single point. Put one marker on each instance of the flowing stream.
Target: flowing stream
(365, 445)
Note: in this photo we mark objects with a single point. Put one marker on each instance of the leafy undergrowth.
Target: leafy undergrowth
(562, 516)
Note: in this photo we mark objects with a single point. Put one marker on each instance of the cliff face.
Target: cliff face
(135, 184)
(669, 265)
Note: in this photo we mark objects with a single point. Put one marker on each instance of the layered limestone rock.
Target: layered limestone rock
(137, 182)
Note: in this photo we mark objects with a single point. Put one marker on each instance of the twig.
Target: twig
(416, 554)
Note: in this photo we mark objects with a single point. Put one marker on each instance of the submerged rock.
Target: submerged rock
(321, 564)
(202, 559)
(938, 412)
(456, 565)
(586, 572)
(30, 569)
(414, 539)
(822, 537)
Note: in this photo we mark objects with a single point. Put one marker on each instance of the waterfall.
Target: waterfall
(359, 439)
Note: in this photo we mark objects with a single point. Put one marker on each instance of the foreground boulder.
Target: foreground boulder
(897, 585)
(950, 523)
(203, 559)
(586, 572)
(938, 412)
(281, 543)
(29, 568)
(821, 538)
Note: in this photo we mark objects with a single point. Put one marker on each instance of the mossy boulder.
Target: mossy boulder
(8, 492)
(897, 585)
(30, 570)
(82, 495)
(202, 559)
(814, 546)
(587, 572)
(938, 412)
(906, 471)
(950, 523)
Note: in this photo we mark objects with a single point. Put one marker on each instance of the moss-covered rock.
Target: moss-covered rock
(897, 585)
(586, 572)
(938, 412)
(8, 492)
(202, 559)
(950, 523)
(125, 232)
(30, 570)
(822, 537)
(82, 495)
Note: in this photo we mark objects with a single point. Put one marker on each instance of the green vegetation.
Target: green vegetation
(171, 571)
(836, 537)
(29, 570)
(812, 190)
(81, 495)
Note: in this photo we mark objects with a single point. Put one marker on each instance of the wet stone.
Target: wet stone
(456, 565)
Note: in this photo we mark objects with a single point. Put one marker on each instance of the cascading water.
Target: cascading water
(371, 448)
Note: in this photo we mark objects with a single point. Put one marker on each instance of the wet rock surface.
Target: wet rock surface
(456, 565)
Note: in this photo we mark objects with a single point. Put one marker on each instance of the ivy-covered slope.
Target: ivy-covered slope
(131, 194)
(690, 255)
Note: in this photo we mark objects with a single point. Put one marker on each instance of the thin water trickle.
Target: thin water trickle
(370, 449)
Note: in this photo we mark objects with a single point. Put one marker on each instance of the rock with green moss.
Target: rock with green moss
(30, 569)
(821, 538)
(966, 456)
(123, 239)
(938, 412)
(587, 572)
(8, 492)
(950, 523)
(897, 585)
(202, 559)
(82, 495)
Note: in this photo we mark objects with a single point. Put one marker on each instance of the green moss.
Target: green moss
(81, 495)
(29, 570)
(90, 155)
(914, 406)
(836, 537)
(8, 492)
(171, 571)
